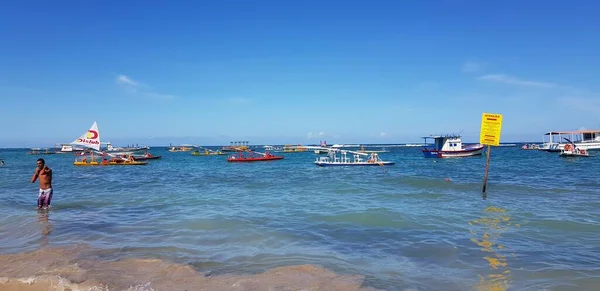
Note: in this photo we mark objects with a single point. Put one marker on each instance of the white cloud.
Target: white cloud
(383, 134)
(124, 80)
(471, 67)
(132, 87)
(500, 78)
(310, 135)
(321, 133)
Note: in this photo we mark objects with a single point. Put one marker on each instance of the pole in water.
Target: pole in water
(487, 167)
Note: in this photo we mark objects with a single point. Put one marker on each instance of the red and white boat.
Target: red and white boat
(252, 157)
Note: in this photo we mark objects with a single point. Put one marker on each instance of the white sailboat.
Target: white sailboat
(91, 139)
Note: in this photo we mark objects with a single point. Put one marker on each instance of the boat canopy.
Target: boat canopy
(588, 131)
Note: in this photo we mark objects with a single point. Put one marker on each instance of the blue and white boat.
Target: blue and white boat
(450, 146)
(358, 159)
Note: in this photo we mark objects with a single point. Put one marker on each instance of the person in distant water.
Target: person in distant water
(2, 163)
(45, 175)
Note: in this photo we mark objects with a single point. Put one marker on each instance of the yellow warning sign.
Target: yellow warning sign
(491, 126)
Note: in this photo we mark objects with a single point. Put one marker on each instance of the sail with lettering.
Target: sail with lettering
(90, 139)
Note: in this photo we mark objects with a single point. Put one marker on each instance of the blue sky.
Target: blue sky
(154, 72)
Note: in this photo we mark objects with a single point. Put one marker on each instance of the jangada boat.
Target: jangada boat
(91, 139)
(450, 146)
(252, 157)
(94, 161)
(570, 150)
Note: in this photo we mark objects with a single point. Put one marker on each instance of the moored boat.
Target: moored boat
(252, 157)
(182, 148)
(208, 152)
(92, 161)
(363, 150)
(571, 150)
(40, 151)
(236, 146)
(530, 146)
(288, 148)
(583, 139)
(146, 156)
(358, 159)
(450, 146)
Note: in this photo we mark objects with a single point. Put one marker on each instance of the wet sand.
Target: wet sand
(79, 268)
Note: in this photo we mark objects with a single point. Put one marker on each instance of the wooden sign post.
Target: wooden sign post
(491, 126)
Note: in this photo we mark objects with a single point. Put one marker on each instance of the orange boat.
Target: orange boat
(251, 157)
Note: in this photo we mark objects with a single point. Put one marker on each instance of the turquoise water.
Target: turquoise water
(401, 227)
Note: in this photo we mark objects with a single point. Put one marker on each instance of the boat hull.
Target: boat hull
(91, 164)
(247, 160)
(359, 164)
(146, 158)
(565, 155)
(466, 152)
(211, 154)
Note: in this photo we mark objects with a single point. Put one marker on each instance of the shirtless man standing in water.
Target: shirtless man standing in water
(45, 174)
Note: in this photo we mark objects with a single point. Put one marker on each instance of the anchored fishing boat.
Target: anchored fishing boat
(251, 157)
(91, 139)
(450, 146)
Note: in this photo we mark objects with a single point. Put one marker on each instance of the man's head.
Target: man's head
(41, 163)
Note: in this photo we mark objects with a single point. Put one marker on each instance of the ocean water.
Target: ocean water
(195, 223)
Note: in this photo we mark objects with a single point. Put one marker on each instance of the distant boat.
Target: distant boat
(70, 149)
(236, 146)
(294, 149)
(530, 146)
(363, 150)
(208, 152)
(450, 146)
(183, 148)
(124, 150)
(40, 151)
(252, 157)
(146, 156)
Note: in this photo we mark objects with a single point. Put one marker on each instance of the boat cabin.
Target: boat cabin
(445, 142)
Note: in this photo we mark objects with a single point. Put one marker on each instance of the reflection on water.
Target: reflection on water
(45, 226)
(486, 233)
